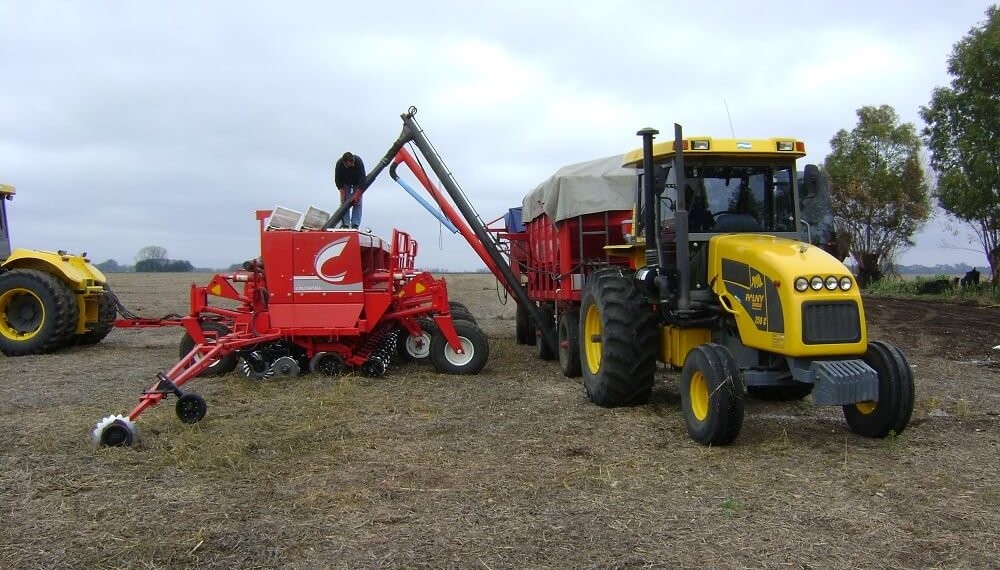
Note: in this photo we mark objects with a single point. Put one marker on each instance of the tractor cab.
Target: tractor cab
(731, 186)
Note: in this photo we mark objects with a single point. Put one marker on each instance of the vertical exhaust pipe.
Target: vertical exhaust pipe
(681, 227)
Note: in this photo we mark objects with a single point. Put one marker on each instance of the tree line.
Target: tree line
(880, 190)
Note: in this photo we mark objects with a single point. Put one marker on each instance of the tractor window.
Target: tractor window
(743, 198)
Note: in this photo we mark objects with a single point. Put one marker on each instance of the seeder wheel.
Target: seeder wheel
(254, 367)
(475, 350)
(326, 363)
(115, 431)
(374, 367)
(191, 408)
(285, 366)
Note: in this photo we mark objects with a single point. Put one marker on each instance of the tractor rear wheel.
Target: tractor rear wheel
(523, 331)
(617, 341)
(475, 348)
(107, 312)
(542, 348)
(221, 366)
(892, 412)
(569, 343)
(712, 395)
(38, 312)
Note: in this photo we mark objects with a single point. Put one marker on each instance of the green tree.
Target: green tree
(880, 196)
(963, 135)
(151, 252)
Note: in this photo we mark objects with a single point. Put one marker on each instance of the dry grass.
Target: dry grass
(509, 469)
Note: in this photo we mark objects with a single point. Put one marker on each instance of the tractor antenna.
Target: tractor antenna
(731, 130)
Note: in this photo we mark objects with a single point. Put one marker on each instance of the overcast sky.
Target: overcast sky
(127, 124)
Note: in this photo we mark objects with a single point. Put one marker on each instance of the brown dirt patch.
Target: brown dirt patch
(509, 469)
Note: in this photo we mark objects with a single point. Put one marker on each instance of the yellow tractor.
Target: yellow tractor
(49, 300)
(720, 280)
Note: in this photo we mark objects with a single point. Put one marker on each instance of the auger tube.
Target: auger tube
(412, 132)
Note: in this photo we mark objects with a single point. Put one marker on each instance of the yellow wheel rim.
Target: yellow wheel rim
(698, 392)
(866, 407)
(591, 340)
(22, 314)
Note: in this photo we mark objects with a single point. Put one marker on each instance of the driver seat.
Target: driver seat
(736, 223)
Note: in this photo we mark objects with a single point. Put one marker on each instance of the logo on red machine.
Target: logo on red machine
(331, 265)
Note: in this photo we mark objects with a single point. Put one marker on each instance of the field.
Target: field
(513, 468)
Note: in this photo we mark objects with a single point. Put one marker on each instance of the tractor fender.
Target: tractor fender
(75, 270)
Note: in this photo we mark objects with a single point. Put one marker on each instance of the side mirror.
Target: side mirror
(810, 181)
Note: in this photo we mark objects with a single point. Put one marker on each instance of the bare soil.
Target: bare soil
(512, 468)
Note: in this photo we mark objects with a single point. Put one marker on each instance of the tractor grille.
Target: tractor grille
(830, 323)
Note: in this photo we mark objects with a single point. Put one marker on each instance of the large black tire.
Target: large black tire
(460, 311)
(892, 412)
(38, 312)
(523, 331)
(617, 342)
(787, 393)
(220, 367)
(107, 312)
(569, 343)
(474, 343)
(543, 348)
(712, 395)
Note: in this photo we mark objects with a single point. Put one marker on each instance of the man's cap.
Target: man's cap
(348, 156)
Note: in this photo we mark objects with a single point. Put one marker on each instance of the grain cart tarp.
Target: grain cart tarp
(587, 187)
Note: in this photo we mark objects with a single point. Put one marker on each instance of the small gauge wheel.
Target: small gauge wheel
(191, 408)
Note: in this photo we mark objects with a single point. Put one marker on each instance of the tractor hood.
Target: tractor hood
(754, 276)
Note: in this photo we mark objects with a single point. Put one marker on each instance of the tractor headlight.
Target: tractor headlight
(846, 283)
(699, 145)
(831, 283)
(801, 284)
(816, 283)
(784, 146)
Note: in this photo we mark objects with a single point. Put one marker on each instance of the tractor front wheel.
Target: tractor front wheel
(475, 350)
(712, 395)
(38, 312)
(219, 367)
(569, 343)
(617, 341)
(891, 414)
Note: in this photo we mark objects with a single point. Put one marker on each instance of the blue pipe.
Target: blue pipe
(427, 205)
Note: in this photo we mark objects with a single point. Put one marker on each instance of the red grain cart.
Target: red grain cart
(557, 238)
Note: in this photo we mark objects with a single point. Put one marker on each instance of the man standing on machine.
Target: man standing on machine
(349, 176)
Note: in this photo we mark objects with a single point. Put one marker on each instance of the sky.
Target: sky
(128, 124)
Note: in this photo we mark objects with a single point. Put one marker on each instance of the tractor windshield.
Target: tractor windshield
(736, 198)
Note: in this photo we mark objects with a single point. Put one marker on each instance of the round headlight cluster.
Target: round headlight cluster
(817, 283)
